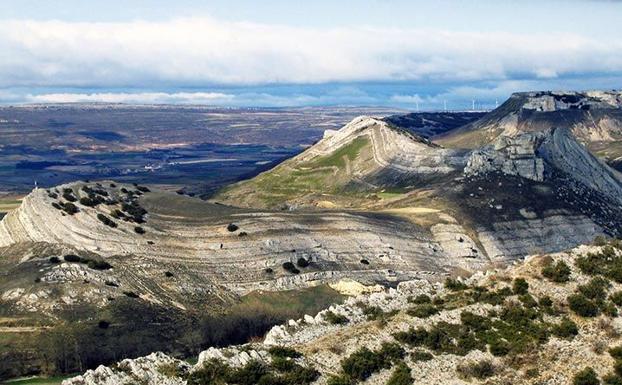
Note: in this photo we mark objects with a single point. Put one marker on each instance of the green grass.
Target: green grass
(309, 300)
(39, 380)
(336, 159)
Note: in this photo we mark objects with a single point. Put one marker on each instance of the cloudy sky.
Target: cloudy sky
(401, 53)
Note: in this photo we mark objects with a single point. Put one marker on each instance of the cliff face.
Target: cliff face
(594, 118)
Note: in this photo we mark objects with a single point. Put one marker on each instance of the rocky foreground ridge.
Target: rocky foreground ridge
(553, 319)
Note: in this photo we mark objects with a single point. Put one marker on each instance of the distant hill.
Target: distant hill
(593, 117)
(430, 124)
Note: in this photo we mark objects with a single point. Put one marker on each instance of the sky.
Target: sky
(398, 53)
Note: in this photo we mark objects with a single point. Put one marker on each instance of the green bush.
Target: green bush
(401, 376)
(283, 352)
(586, 377)
(70, 208)
(583, 306)
(423, 311)
(139, 230)
(558, 272)
(420, 299)
(616, 298)
(54, 260)
(98, 265)
(363, 363)
(335, 319)
(421, 355)
(105, 220)
(565, 329)
(499, 348)
(454, 285)
(337, 380)
(595, 289)
(231, 227)
(545, 301)
(612, 379)
(520, 286)
(616, 352)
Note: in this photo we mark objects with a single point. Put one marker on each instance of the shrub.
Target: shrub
(363, 363)
(131, 294)
(595, 289)
(268, 270)
(70, 208)
(283, 352)
(339, 380)
(143, 189)
(583, 306)
(520, 286)
(480, 369)
(454, 285)
(98, 265)
(302, 262)
(335, 319)
(68, 195)
(616, 298)
(364, 262)
(559, 272)
(412, 337)
(103, 324)
(401, 376)
(168, 274)
(423, 311)
(499, 348)
(420, 299)
(242, 234)
(616, 352)
(57, 206)
(231, 227)
(545, 301)
(288, 266)
(565, 329)
(586, 377)
(139, 230)
(105, 220)
(612, 379)
(72, 258)
(54, 260)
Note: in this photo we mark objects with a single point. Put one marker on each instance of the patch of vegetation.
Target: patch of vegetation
(421, 355)
(231, 227)
(595, 289)
(54, 260)
(364, 362)
(139, 230)
(606, 263)
(134, 211)
(68, 195)
(349, 151)
(423, 311)
(282, 372)
(565, 329)
(302, 262)
(478, 369)
(335, 319)
(364, 262)
(131, 294)
(283, 352)
(69, 208)
(455, 285)
(105, 220)
(520, 286)
(616, 298)
(420, 299)
(586, 377)
(558, 272)
(401, 375)
(583, 306)
(289, 267)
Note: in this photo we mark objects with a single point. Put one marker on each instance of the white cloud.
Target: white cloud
(141, 97)
(206, 51)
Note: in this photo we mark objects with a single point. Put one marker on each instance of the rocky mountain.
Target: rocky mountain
(553, 319)
(431, 124)
(94, 271)
(593, 117)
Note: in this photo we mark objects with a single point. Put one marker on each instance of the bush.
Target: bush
(612, 379)
(565, 329)
(72, 258)
(401, 376)
(586, 377)
(168, 274)
(283, 352)
(105, 220)
(103, 324)
(423, 311)
(131, 294)
(480, 369)
(616, 298)
(268, 270)
(583, 306)
(364, 262)
(288, 266)
(98, 265)
(68, 195)
(70, 208)
(335, 319)
(454, 285)
(54, 260)
(143, 189)
(545, 301)
(302, 262)
(363, 363)
(231, 227)
(520, 286)
(616, 352)
(420, 299)
(339, 380)
(595, 289)
(420, 355)
(559, 272)
(139, 230)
